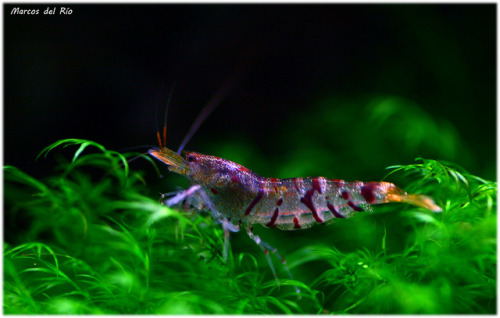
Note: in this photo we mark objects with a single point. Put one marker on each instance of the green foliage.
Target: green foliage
(92, 238)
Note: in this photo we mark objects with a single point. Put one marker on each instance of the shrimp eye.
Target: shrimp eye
(191, 158)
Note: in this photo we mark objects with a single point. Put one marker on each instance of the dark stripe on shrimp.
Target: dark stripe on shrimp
(346, 195)
(354, 206)
(296, 185)
(274, 184)
(273, 218)
(307, 200)
(235, 178)
(367, 192)
(256, 200)
(296, 223)
(315, 185)
(334, 211)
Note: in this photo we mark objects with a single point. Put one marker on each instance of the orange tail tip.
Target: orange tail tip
(415, 199)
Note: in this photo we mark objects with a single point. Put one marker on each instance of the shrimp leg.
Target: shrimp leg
(266, 248)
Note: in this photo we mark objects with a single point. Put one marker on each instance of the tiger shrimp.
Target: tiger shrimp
(238, 197)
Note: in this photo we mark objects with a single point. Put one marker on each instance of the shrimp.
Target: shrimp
(238, 197)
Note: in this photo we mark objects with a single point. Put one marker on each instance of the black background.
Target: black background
(103, 72)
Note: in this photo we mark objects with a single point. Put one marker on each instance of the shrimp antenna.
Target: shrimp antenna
(214, 101)
(164, 144)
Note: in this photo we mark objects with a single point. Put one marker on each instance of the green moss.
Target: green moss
(92, 238)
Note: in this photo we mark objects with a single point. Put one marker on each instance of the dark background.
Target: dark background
(336, 90)
(103, 72)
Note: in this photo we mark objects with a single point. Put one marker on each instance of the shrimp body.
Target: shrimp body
(238, 196)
